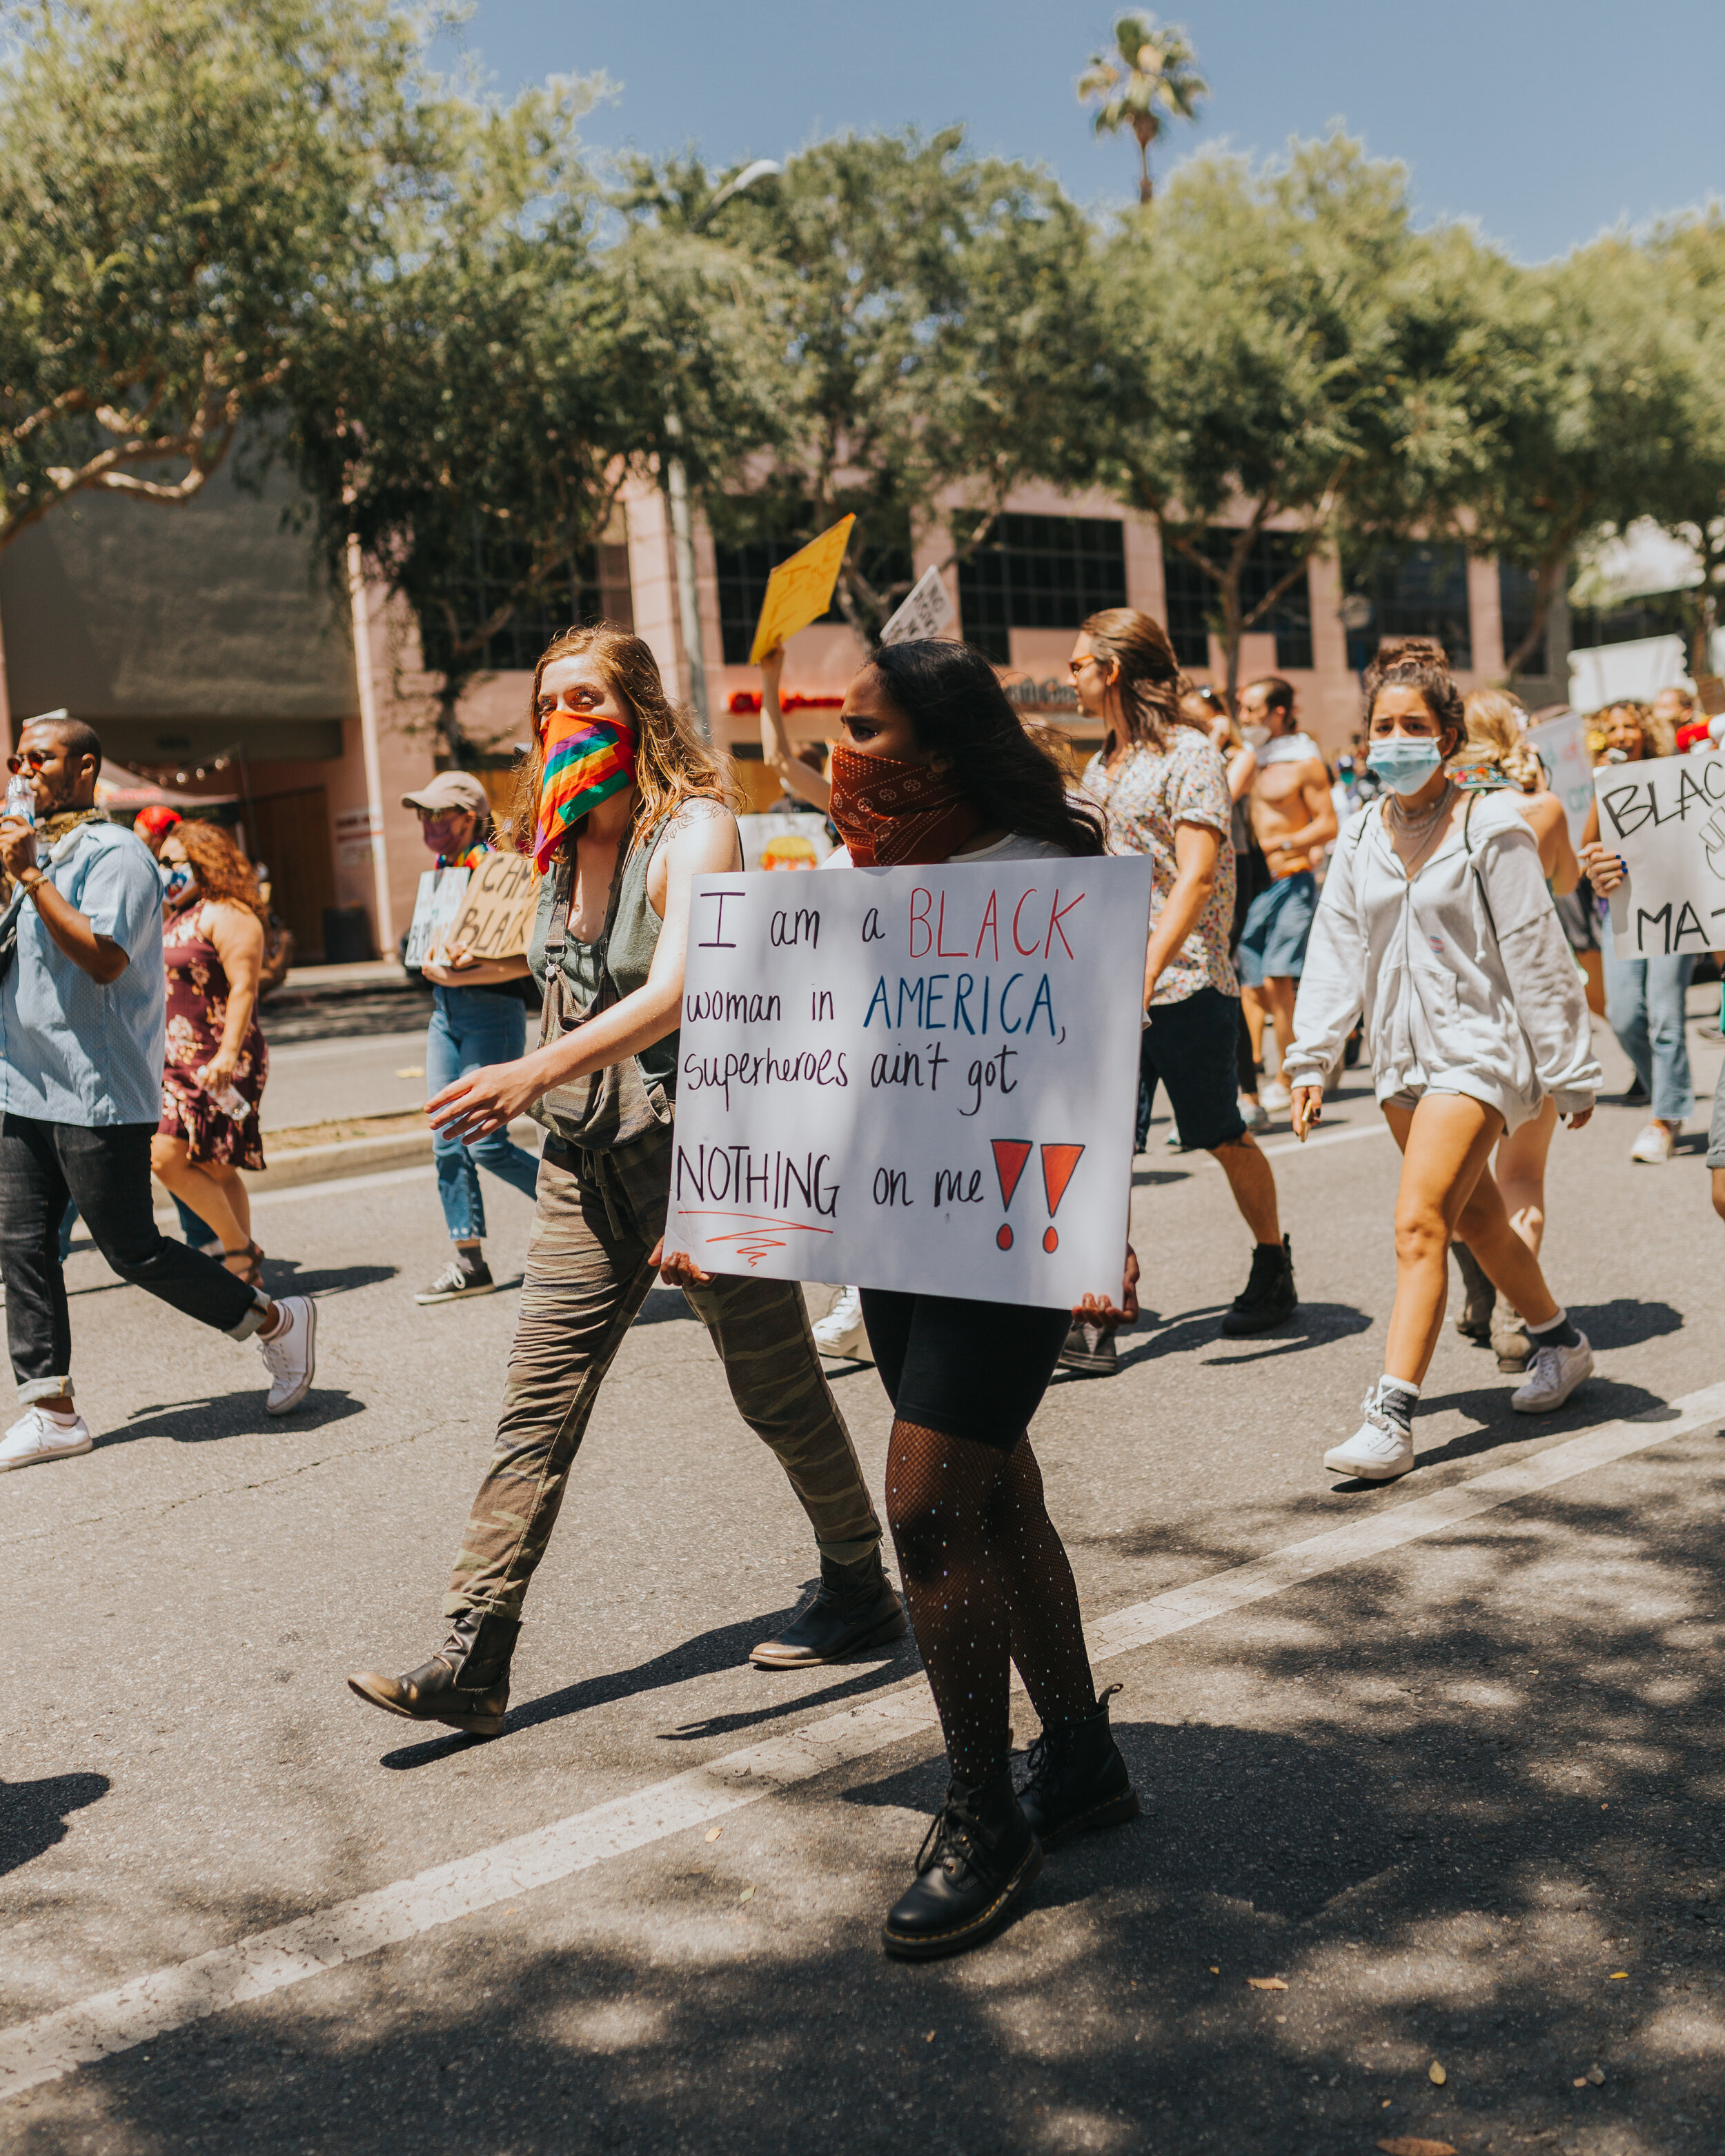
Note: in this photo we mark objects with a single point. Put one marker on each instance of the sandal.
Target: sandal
(250, 1267)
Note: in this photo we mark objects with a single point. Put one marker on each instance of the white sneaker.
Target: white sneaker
(1274, 1097)
(1379, 1451)
(291, 1357)
(1654, 1143)
(36, 1437)
(1253, 1116)
(841, 1332)
(1552, 1374)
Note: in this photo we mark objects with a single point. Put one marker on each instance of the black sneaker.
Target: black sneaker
(1089, 1350)
(457, 1279)
(1268, 1298)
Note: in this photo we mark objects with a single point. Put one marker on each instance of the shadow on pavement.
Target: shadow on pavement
(32, 1815)
(283, 1276)
(233, 1414)
(1626, 1324)
(1311, 1326)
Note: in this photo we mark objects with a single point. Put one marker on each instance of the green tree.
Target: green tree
(1148, 77)
(1689, 256)
(1266, 334)
(920, 338)
(185, 189)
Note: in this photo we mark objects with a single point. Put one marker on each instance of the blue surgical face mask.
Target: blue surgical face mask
(176, 877)
(1403, 763)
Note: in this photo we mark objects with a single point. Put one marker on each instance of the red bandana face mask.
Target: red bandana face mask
(892, 814)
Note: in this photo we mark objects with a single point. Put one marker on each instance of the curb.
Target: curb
(325, 1163)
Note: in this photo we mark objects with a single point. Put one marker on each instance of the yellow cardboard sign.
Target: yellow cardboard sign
(800, 590)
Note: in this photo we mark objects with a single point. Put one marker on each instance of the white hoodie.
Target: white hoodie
(1463, 975)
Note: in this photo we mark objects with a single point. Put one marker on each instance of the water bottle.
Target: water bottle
(21, 798)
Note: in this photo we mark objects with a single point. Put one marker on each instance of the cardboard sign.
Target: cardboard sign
(785, 840)
(1562, 746)
(442, 893)
(800, 590)
(914, 1078)
(924, 612)
(1666, 818)
(498, 917)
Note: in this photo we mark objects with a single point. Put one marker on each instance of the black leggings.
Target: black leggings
(976, 1370)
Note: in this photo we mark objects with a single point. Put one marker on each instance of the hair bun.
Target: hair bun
(1411, 651)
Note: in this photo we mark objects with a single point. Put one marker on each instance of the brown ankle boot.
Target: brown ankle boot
(465, 1683)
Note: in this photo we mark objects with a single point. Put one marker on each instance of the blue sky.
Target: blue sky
(1544, 120)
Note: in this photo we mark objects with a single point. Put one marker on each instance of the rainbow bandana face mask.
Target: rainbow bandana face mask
(586, 760)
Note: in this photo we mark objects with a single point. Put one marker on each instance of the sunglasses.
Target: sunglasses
(35, 757)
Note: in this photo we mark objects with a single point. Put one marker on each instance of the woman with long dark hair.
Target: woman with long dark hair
(1437, 927)
(625, 808)
(932, 765)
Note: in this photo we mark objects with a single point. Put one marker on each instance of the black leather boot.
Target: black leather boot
(1481, 1297)
(1078, 1780)
(1268, 1295)
(972, 1869)
(465, 1683)
(854, 1607)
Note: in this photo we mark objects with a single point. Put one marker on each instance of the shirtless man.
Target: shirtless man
(1294, 818)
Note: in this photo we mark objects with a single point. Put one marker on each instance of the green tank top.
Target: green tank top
(624, 950)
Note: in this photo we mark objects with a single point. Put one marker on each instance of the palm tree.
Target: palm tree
(1152, 75)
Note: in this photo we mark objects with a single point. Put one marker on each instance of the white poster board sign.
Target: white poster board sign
(1562, 744)
(1608, 673)
(787, 840)
(915, 1078)
(924, 612)
(436, 910)
(1666, 818)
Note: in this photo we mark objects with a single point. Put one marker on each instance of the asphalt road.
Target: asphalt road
(1451, 1773)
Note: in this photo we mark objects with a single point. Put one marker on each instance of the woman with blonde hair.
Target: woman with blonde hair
(1496, 753)
(1646, 999)
(626, 809)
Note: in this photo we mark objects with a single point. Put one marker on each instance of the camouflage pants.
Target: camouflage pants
(587, 1275)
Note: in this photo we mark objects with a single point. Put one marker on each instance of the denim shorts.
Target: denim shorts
(1278, 923)
(1190, 1047)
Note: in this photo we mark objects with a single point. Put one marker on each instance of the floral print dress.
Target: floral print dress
(197, 1014)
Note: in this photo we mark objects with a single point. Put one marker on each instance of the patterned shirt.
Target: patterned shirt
(1151, 793)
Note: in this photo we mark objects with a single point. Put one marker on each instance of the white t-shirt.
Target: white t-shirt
(1289, 748)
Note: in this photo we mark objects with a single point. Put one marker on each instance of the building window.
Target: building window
(598, 590)
(752, 538)
(1409, 591)
(1194, 597)
(1658, 613)
(1517, 593)
(1039, 573)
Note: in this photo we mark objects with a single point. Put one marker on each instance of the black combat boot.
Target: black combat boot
(854, 1607)
(1078, 1780)
(1268, 1296)
(1475, 1322)
(465, 1683)
(976, 1863)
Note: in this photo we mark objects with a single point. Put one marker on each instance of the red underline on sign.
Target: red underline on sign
(765, 1220)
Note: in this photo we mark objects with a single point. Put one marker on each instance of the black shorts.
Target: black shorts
(975, 1370)
(1191, 1047)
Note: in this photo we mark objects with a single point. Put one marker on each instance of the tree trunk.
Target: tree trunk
(1544, 591)
(1145, 190)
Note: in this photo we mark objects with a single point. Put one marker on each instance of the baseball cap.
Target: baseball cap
(157, 819)
(450, 790)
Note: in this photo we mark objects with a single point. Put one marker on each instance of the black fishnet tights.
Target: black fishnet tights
(988, 1581)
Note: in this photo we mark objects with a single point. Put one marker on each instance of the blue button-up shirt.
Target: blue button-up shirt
(72, 1051)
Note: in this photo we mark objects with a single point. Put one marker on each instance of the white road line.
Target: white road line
(252, 1968)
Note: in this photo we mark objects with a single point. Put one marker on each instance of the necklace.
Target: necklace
(1416, 826)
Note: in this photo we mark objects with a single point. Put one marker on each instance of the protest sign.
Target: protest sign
(916, 1078)
(800, 589)
(783, 841)
(497, 920)
(924, 612)
(1562, 746)
(435, 912)
(1666, 818)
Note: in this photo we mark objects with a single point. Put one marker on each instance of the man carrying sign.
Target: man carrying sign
(478, 1016)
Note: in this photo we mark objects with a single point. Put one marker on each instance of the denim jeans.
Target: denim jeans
(470, 1028)
(589, 1266)
(1644, 1004)
(105, 1172)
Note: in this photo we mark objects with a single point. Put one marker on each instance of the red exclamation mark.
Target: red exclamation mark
(1011, 1155)
(1058, 1163)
